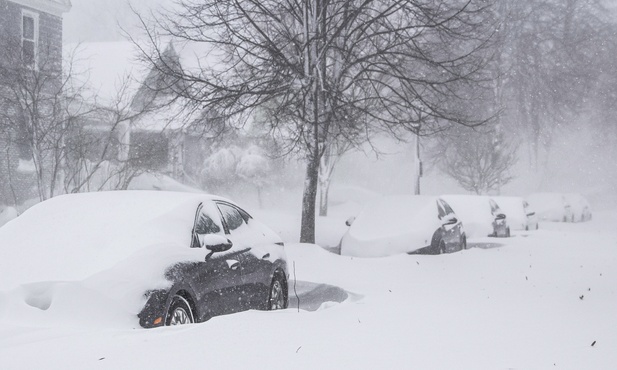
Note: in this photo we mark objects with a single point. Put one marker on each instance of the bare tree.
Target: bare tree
(59, 137)
(329, 159)
(547, 61)
(308, 65)
(35, 94)
(479, 160)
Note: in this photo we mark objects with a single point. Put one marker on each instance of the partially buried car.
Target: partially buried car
(581, 210)
(553, 207)
(163, 258)
(404, 224)
(481, 215)
(519, 213)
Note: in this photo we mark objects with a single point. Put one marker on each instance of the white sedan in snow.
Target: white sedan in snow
(404, 224)
(156, 258)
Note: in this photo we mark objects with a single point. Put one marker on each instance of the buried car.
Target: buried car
(581, 210)
(404, 224)
(166, 258)
(553, 207)
(481, 215)
(519, 213)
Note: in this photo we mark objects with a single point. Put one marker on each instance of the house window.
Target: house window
(29, 33)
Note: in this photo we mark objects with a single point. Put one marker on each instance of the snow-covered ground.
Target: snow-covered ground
(537, 300)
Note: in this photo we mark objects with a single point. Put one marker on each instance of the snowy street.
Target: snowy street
(346, 184)
(538, 300)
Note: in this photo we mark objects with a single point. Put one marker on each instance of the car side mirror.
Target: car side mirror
(500, 216)
(215, 244)
(450, 221)
(531, 214)
(350, 220)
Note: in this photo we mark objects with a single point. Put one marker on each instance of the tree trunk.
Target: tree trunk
(309, 198)
(324, 188)
(418, 165)
(259, 198)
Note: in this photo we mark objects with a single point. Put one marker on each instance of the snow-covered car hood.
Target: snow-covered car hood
(97, 251)
(72, 237)
(392, 225)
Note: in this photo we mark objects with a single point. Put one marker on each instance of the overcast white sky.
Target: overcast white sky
(97, 20)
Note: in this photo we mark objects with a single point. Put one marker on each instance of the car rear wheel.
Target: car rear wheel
(507, 232)
(179, 312)
(464, 242)
(277, 299)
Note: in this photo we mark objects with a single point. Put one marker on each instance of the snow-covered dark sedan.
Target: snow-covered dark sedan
(164, 258)
(404, 224)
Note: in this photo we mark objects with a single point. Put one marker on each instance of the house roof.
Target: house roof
(115, 74)
(55, 7)
(107, 67)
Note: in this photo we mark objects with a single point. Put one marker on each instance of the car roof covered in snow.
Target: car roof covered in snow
(71, 237)
(393, 215)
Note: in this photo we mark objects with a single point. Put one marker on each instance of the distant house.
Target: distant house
(162, 135)
(30, 40)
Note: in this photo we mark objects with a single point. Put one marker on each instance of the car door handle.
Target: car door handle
(233, 264)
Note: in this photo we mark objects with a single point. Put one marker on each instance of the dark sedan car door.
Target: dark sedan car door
(255, 259)
(218, 279)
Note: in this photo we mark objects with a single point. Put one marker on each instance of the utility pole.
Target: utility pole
(418, 164)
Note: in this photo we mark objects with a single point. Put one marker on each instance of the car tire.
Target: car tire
(179, 312)
(507, 232)
(277, 297)
(463, 242)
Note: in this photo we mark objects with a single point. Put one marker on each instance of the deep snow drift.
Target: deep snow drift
(537, 300)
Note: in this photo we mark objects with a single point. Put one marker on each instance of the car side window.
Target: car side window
(448, 209)
(244, 215)
(440, 210)
(493, 205)
(232, 216)
(207, 221)
(205, 225)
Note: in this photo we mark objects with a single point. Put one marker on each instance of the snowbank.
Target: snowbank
(536, 302)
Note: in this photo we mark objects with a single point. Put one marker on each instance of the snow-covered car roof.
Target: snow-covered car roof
(393, 214)
(546, 201)
(72, 237)
(577, 200)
